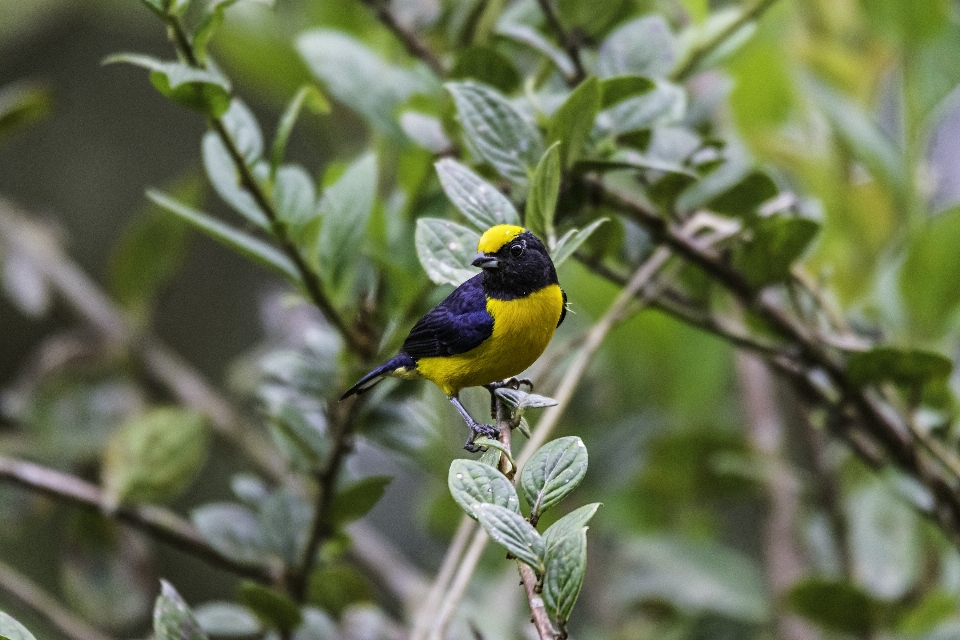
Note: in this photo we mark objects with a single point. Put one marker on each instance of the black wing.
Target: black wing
(456, 325)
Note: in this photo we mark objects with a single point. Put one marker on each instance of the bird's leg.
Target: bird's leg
(476, 428)
(512, 383)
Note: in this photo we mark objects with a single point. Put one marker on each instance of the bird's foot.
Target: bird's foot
(512, 383)
(478, 429)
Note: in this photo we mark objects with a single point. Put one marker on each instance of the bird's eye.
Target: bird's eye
(516, 250)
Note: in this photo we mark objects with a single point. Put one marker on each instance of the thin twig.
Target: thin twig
(765, 429)
(700, 53)
(549, 421)
(567, 41)
(38, 245)
(311, 280)
(407, 38)
(45, 605)
(160, 523)
(341, 421)
(424, 617)
(538, 611)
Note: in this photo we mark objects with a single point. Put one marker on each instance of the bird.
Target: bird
(489, 329)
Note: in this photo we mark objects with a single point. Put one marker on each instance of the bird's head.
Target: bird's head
(514, 261)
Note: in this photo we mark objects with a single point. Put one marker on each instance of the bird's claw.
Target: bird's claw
(512, 383)
(478, 429)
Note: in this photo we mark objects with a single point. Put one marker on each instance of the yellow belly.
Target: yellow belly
(522, 329)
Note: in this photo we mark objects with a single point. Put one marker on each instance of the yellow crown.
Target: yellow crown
(495, 237)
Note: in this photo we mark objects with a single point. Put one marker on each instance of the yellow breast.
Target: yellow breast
(522, 328)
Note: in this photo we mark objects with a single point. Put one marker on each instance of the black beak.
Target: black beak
(484, 261)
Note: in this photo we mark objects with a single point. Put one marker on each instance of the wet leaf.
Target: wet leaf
(172, 618)
(513, 533)
(446, 250)
(472, 482)
(556, 469)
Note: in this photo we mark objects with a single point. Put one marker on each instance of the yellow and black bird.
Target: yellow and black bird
(492, 327)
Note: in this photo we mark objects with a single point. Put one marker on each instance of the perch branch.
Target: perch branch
(567, 41)
(160, 523)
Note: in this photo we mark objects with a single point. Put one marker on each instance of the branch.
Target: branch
(538, 612)
(765, 430)
(699, 54)
(311, 280)
(884, 425)
(46, 606)
(38, 245)
(160, 523)
(551, 416)
(566, 41)
(341, 420)
(411, 43)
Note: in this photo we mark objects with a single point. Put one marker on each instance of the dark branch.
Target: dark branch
(411, 43)
(311, 280)
(567, 41)
(159, 523)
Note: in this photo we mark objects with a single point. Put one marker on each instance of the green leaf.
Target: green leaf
(317, 625)
(13, 630)
(485, 64)
(22, 104)
(426, 132)
(572, 123)
(532, 38)
(242, 127)
(294, 197)
(274, 609)
(571, 241)
(664, 104)
(478, 200)
(198, 89)
(556, 469)
(227, 619)
(497, 131)
(345, 210)
(446, 250)
(356, 499)
(569, 525)
(100, 571)
(232, 530)
(208, 24)
(907, 367)
(285, 520)
(776, 242)
(566, 565)
(335, 586)
(309, 442)
(885, 541)
(542, 200)
(834, 605)
(862, 135)
(717, 25)
(927, 281)
(494, 461)
(309, 96)
(151, 251)
(513, 533)
(746, 196)
(225, 178)
(616, 89)
(155, 456)
(245, 245)
(361, 79)
(934, 608)
(644, 46)
(472, 483)
(172, 618)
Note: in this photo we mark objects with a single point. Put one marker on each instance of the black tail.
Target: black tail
(367, 382)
